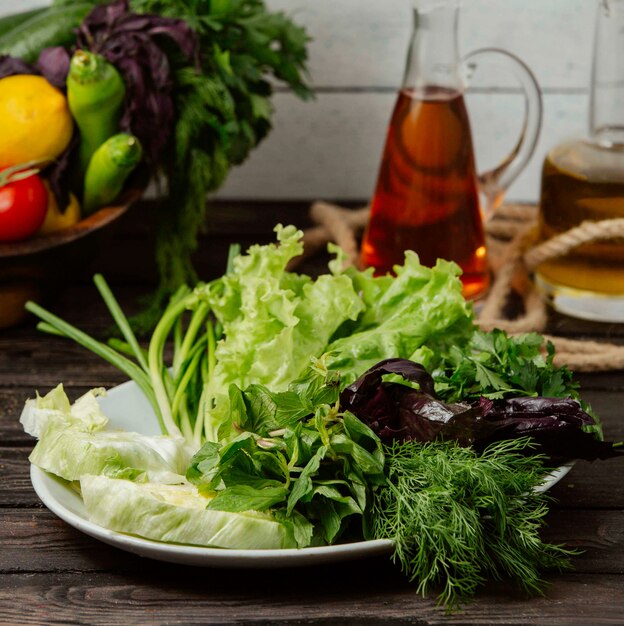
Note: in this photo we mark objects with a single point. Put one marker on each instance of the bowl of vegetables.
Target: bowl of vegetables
(191, 82)
(65, 170)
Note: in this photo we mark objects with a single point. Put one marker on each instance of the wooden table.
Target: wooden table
(51, 573)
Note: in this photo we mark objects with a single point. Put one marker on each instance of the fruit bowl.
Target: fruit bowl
(32, 268)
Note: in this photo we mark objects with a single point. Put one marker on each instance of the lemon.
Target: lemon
(35, 122)
(54, 219)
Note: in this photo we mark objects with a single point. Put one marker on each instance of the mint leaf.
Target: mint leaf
(303, 485)
(238, 498)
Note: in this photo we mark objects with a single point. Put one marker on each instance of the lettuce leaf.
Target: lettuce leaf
(73, 442)
(273, 321)
(70, 453)
(177, 514)
(420, 307)
(55, 409)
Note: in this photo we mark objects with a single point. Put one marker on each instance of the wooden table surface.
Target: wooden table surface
(53, 574)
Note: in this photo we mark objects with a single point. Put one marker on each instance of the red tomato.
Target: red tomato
(23, 207)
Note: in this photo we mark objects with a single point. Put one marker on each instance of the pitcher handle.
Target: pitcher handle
(496, 181)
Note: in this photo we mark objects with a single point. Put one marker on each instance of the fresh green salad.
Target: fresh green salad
(299, 412)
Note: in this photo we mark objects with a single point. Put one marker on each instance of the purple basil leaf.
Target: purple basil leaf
(357, 392)
(53, 63)
(137, 46)
(58, 175)
(397, 412)
(425, 418)
(555, 424)
(11, 66)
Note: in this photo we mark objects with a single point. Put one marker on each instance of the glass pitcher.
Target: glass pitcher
(427, 197)
(583, 180)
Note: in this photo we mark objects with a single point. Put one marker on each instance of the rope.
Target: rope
(564, 243)
(514, 253)
(587, 356)
(333, 223)
(522, 255)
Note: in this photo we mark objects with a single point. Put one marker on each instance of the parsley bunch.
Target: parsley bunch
(496, 365)
(223, 109)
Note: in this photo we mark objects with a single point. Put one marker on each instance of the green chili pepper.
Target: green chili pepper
(108, 170)
(95, 92)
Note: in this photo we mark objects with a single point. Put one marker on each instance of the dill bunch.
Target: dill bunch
(458, 519)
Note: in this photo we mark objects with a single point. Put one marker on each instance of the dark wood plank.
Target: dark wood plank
(242, 218)
(15, 487)
(599, 534)
(75, 598)
(591, 486)
(43, 362)
(11, 403)
(609, 407)
(35, 540)
(129, 258)
(600, 381)
(559, 324)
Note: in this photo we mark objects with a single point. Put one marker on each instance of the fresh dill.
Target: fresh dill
(458, 519)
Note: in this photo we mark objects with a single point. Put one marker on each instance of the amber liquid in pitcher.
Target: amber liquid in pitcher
(426, 197)
(581, 181)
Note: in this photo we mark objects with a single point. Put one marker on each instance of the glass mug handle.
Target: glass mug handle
(494, 183)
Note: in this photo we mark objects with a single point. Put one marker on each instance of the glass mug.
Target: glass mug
(427, 197)
(583, 180)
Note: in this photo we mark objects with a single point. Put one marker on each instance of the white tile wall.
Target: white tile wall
(331, 147)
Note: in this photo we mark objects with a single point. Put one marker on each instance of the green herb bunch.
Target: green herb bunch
(284, 445)
(219, 100)
(296, 455)
(458, 519)
(222, 112)
(496, 365)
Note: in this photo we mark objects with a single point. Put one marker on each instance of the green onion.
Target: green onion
(132, 370)
(120, 319)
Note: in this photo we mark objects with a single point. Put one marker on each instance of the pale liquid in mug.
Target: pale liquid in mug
(584, 181)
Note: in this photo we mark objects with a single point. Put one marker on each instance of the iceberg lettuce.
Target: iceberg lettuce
(72, 442)
(177, 514)
(71, 453)
(54, 409)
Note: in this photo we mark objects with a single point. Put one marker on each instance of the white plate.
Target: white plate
(127, 408)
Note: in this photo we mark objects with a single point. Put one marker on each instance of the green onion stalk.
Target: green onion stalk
(176, 393)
